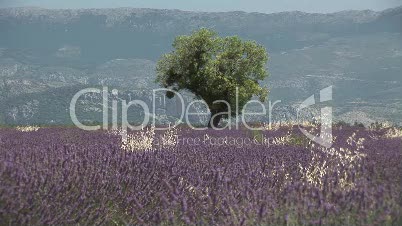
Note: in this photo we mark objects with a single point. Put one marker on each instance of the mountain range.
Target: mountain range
(46, 56)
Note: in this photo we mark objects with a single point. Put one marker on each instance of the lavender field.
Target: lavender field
(61, 176)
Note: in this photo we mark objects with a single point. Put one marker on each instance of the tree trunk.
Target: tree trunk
(215, 119)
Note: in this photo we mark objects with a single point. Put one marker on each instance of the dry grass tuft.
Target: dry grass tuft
(27, 128)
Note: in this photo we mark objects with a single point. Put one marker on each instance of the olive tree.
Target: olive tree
(213, 68)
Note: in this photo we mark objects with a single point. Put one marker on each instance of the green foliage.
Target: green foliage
(212, 67)
(341, 123)
(359, 124)
(298, 140)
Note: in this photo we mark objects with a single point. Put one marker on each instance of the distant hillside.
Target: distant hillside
(45, 51)
(104, 34)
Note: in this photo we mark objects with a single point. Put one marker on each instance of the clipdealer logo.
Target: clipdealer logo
(325, 139)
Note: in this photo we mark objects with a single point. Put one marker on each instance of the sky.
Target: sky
(264, 6)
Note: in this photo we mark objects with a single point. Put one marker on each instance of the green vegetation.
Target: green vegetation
(215, 69)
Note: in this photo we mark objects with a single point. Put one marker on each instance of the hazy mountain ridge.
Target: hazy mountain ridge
(44, 52)
(120, 15)
(162, 20)
(118, 31)
(149, 18)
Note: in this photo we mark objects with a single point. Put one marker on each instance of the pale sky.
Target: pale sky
(265, 6)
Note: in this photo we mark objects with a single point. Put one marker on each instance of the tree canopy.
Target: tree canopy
(213, 68)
